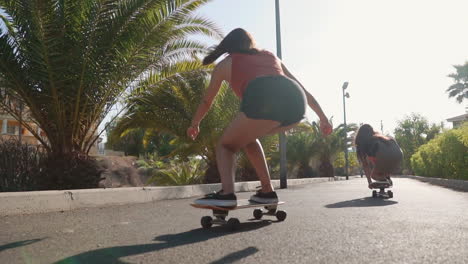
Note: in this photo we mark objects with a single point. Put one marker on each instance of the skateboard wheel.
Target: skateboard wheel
(390, 194)
(206, 222)
(281, 215)
(257, 213)
(374, 193)
(233, 224)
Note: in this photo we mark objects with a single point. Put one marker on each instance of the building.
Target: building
(10, 128)
(457, 121)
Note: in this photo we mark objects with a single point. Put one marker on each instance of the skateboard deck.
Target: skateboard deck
(241, 204)
(220, 213)
(380, 185)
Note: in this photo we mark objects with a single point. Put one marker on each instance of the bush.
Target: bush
(445, 156)
(20, 165)
(180, 173)
(72, 171)
(141, 163)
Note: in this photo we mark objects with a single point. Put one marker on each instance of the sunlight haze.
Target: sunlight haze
(396, 55)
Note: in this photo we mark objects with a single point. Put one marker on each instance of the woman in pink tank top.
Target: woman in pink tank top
(272, 101)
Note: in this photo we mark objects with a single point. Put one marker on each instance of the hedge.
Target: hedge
(446, 156)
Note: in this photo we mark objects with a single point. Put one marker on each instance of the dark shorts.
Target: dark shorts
(276, 98)
(389, 157)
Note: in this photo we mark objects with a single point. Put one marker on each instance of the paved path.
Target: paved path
(333, 222)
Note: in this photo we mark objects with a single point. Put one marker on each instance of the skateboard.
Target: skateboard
(220, 213)
(382, 186)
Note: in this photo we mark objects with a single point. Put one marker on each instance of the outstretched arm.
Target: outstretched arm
(368, 170)
(217, 77)
(311, 102)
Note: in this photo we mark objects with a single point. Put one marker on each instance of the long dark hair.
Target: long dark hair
(365, 139)
(237, 41)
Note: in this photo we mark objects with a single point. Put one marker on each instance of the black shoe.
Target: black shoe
(218, 199)
(266, 198)
(390, 181)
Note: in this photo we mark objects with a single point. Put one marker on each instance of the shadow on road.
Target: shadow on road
(233, 257)
(362, 202)
(19, 244)
(112, 254)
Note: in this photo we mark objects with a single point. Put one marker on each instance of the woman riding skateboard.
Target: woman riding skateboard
(272, 101)
(379, 155)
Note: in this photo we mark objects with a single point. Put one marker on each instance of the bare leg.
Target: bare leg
(281, 129)
(225, 160)
(237, 135)
(256, 156)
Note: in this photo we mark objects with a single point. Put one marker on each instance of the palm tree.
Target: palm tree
(168, 104)
(330, 145)
(246, 172)
(459, 89)
(69, 61)
(302, 148)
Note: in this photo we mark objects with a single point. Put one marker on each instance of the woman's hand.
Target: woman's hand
(193, 131)
(325, 127)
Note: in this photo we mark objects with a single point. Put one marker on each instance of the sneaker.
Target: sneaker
(390, 181)
(218, 199)
(266, 198)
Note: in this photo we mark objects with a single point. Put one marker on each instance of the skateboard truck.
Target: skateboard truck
(381, 193)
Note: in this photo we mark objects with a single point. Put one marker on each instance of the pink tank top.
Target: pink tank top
(247, 67)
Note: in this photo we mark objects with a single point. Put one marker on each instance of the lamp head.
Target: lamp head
(345, 85)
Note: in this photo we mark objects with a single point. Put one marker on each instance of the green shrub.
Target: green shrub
(141, 163)
(180, 173)
(445, 156)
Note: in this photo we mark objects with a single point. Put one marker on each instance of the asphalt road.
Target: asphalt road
(332, 222)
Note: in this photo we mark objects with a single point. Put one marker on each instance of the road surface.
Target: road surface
(331, 222)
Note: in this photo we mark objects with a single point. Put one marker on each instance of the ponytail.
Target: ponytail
(238, 40)
(214, 55)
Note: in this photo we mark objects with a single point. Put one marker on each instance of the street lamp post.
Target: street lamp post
(345, 95)
(282, 136)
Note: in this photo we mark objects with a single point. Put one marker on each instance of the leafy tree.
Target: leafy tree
(340, 162)
(246, 171)
(327, 147)
(157, 143)
(330, 146)
(69, 61)
(459, 89)
(302, 147)
(413, 132)
(139, 142)
(131, 143)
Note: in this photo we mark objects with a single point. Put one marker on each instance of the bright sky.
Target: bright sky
(396, 55)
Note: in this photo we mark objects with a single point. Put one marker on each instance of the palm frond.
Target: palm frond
(70, 61)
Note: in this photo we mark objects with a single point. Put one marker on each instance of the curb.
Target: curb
(14, 203)
(459, 185)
